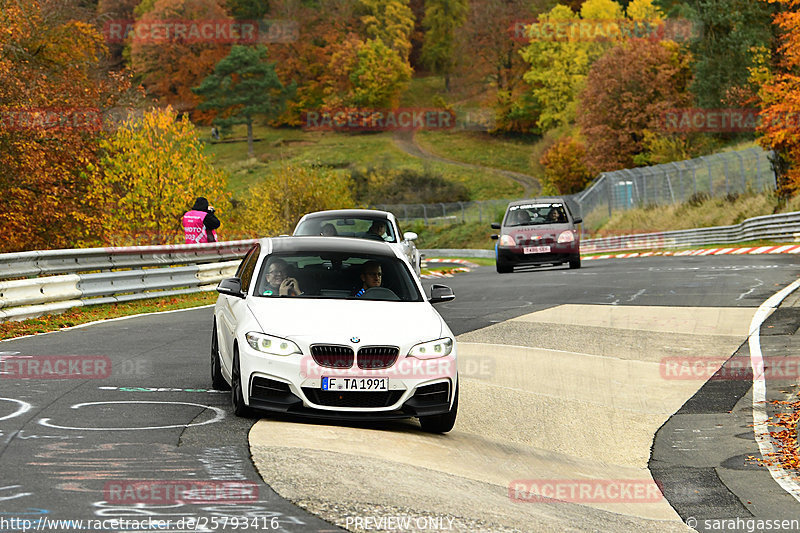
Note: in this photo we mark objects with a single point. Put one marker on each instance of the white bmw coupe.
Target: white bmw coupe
(337, 328)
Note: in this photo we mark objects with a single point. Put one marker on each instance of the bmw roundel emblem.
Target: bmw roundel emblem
(355, 340)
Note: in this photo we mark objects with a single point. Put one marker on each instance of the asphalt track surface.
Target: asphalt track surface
(65, 445)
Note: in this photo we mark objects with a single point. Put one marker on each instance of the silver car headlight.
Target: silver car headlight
(271, 345)
(432, 349)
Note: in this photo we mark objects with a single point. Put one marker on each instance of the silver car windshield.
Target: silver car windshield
(379, 229)
(336, 275)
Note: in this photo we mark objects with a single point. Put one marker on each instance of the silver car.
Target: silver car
(362, 224)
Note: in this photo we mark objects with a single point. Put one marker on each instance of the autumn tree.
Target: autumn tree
(443, 19)
(244, 85)
(779, 98)
(391, 21)
(52, 97)
(247, 9)
(169, 64)
(275, 205)
(728, 31)
(152, 169)
(308, 60)
(627, 92)
(565, 170)
(559, 65)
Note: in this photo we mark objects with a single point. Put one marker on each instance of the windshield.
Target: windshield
(375, 228)
(336, 275)
(536, 214)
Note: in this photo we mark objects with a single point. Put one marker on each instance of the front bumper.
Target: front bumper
(292, 385)
(559, 253)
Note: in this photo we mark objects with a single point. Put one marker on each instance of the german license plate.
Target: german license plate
(355, 384)
(536, 249)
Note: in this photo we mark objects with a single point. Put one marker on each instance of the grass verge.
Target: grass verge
(83, 315)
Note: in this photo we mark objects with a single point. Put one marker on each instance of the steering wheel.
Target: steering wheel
(379, 293)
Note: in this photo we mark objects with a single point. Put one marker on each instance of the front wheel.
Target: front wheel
(575, 262)
(441, 423)
(503, 268)
(237, 396)
(217, 381)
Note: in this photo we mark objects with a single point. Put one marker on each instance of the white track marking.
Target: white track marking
(760, 420)
(220, 414)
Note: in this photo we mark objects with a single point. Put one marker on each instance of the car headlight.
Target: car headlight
(566, 236)
(271, 345)
(507, 240)
(432, 349)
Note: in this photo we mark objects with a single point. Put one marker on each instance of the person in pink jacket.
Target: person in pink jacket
(200, 223)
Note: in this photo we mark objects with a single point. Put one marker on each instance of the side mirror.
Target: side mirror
(231, 287)
(577, 220)
(495, 225)
(410, 236)
(441, 293)
(495, 237)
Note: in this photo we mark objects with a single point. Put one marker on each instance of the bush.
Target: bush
(405, 186)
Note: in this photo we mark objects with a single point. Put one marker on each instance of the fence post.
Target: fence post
(463, 214)
(741, 169)
(424, 213)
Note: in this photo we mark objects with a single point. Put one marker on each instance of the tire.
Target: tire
(217, 381)
(575, 262)
(237, 398)
(503, 268)
(441, 423)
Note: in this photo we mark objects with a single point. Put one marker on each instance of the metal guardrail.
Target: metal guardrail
(81, 277)
(92, 276)
(782, 228)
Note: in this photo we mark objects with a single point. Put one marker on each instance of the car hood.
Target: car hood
(337, 321)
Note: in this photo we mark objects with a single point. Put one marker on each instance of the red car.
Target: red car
(538, 231)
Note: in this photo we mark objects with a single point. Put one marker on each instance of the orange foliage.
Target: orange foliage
(48, 63)
(170, 66)
(780, 100)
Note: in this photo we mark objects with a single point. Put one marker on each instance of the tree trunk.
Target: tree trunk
(250, 152)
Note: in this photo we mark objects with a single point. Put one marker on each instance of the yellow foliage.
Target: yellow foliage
(274, 206)
(152, 170)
